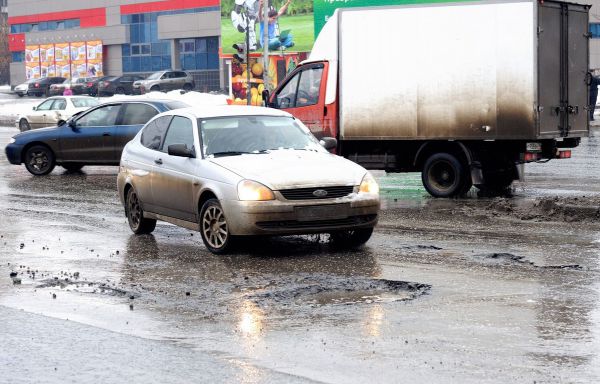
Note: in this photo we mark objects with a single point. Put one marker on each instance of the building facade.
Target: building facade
(137, 36)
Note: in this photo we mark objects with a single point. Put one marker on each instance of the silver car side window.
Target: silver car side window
(181, 131)
(154, 133)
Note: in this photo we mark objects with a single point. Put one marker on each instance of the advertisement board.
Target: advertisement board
(77, 59)
(279, 66)
(291, 25)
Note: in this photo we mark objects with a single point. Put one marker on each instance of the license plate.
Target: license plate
(322, 212)
(534, 147)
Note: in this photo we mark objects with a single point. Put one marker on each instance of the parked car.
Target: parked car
(94, 137)
(41, 87)
(22, 89)
(120, 85)
(77, 86)
(91, 86)
(164, 81)
(54, 111)
(243, 171)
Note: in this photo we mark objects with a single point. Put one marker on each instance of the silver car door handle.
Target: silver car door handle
(158, 161)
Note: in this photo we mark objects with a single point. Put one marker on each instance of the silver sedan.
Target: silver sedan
(236, 171)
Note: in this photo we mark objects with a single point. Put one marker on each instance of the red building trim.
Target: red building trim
(94, 17)
(167, 5)
(16, 42)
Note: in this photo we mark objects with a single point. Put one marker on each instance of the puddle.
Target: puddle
(312, 290)
(509, 258)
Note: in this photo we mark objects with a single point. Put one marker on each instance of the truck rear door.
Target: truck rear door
(563, 69)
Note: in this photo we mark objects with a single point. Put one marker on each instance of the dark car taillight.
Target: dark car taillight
(90, 84)
(37, 85)
(106, 83)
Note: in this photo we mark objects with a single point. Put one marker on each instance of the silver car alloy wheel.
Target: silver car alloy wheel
(214, 227)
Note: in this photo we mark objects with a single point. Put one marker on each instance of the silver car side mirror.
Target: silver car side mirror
(328, 143)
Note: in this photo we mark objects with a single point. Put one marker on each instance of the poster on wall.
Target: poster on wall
(32, 62)
(291, 25)
(62, 54)
(239, 81)
(323, 9)
(94, 58)
(46, 60)
(78, 59)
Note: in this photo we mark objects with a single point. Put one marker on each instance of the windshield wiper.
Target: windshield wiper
(228, 153)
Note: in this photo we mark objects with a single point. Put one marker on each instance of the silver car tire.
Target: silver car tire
(24, 125)
(135, 215)
(351, 238)
(213, 227)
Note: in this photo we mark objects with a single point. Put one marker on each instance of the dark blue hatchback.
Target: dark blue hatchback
(94, 137)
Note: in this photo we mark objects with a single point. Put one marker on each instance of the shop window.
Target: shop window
(595, 30)
(18, 57)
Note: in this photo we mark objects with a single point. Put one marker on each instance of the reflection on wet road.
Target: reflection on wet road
(470, 290)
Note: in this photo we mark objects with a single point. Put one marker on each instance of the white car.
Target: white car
(231, 171)
(21, 89)
(54, 111)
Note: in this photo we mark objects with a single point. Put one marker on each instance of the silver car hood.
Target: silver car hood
(285, 169)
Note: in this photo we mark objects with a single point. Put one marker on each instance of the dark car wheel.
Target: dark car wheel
(155, 88)
(24, 125)
(120, 91)
(214, 229)
(187, 87)
(72, 167)
(135, 215)
(351, 238)
(39, 160)
(444, 175)
(20, 94)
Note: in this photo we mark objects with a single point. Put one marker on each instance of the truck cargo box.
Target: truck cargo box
(483, 70)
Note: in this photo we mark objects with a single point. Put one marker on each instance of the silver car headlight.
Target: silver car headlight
(249, 190)
(368, 185)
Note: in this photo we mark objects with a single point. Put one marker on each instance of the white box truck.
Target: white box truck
(461, 92)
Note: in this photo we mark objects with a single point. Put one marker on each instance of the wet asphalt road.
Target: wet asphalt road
(473, 290)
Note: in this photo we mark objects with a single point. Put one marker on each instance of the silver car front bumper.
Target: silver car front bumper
(280, 217)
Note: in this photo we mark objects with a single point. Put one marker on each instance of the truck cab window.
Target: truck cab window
(286, 98)
(309, 87)
(302, 90)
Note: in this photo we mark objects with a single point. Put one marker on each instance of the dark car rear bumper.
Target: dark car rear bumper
(13, 153)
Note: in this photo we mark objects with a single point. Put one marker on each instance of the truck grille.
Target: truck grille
(310, 194)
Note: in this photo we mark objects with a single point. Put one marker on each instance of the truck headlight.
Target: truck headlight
(249, 190)
(368, 185)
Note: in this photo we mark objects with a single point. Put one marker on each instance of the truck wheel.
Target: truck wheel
(497, 181)
(444, 175)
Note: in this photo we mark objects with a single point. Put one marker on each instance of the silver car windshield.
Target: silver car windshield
(236, 135)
